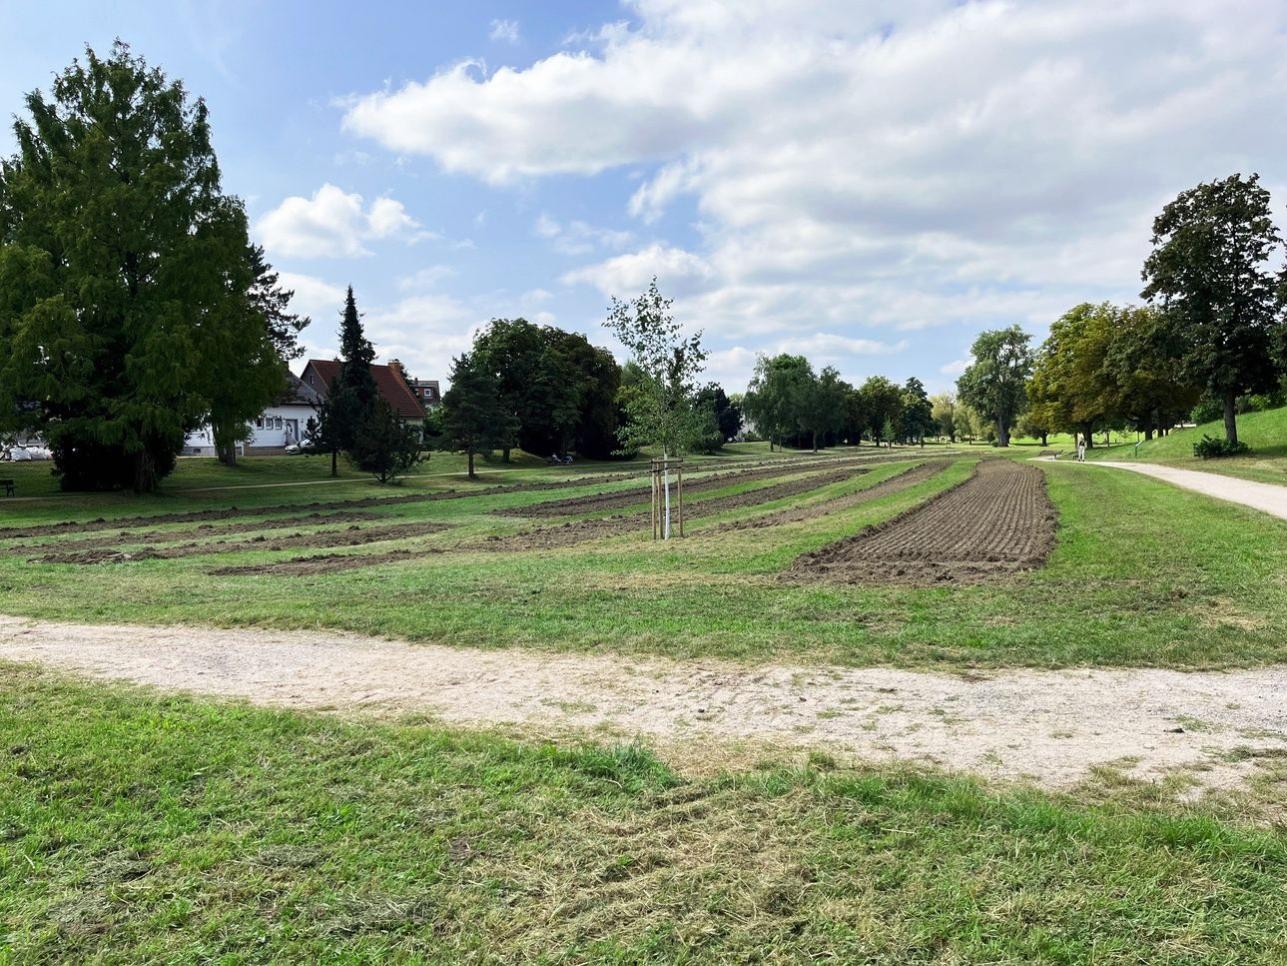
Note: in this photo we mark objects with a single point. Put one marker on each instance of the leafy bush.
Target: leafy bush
(1212, 448)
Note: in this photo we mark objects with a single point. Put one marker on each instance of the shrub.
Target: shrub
(1212, 448)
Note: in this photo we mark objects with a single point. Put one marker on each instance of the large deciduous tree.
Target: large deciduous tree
(882, 402)
(995, 383)
(778, 395)
(1209, 271)
(126, 277)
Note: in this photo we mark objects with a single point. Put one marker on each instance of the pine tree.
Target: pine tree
(353, 396)
(387, 447)
(475, 419)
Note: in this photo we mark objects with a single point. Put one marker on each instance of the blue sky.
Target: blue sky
(867, 183)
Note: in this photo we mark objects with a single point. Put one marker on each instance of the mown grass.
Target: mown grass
(1143, 574)
(1265, 432)
(139, 828)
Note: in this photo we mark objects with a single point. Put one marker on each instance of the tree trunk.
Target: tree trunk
(335, 462)
(815, 441)
(1003, 433)
(1230, 417)
(472, 475)
(504, 456)
(1044, 444)
(144, 472)
(1088, 434)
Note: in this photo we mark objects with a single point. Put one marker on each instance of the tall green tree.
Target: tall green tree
(1210, 272)
(475, 417)
(1152, 391)
(354, 394)
(995, 383)
(917, 420)
(883, 405)
(124, 275)
(1073, 387)
(387, 447)
(823, 406)
(943, 412)
(662, 411)
(778, 396)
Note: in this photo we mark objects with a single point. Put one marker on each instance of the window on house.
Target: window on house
(259, 422)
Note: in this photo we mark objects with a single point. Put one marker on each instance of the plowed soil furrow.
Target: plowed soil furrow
(619, 499)
(99, 524)
(903, 481)
(546, 538)
(354, 536)
(205, 531)
(998, 522)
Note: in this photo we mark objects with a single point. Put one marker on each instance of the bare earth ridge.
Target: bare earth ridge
(1050, 727)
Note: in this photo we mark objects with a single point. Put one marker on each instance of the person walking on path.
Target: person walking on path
(1081, 448)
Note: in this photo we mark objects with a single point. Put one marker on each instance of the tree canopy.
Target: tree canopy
(129, 291)
(995, 383)
(1209, 271)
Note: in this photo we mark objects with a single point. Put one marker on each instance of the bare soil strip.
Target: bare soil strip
(148, 538)
(544, 538)
(998, 522)
(99, 524)
(620, 499)
(894, 484)
(354, 536)
(1051, 727)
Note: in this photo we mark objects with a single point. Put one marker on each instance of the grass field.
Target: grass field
(1265, 432)
(1142, 573)
(146, 829)
(140, 827)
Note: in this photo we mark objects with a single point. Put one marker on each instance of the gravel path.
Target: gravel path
(1050, 727)
(1268, 497)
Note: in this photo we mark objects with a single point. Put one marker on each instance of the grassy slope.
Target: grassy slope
(138, 828)
(1144, 574)
(1264, 432)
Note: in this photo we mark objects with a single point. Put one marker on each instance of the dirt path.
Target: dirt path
(1267, 497)
(1048, 726)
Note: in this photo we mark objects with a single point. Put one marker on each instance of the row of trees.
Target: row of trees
(133, 306)
(791, 404)
(1212, 330)
(549, 392)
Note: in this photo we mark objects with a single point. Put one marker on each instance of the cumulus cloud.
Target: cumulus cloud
(334, 223)
(318, 299)
(860, 169)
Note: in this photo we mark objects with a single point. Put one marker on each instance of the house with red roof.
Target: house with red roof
(390, 381)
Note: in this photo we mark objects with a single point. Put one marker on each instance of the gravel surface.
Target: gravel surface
(1267, 497)
(1050, 727)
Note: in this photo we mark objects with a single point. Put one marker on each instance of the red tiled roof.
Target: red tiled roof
(390, 384)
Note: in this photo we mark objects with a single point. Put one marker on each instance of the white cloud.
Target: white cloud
(578, 237)
(954, 368)
(425, 278)
(334, 223)
(910, 167)
(319, 300)
(504, 31)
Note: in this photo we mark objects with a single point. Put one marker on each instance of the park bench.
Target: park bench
(10, 488)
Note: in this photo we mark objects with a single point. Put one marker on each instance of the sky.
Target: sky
(870, 184)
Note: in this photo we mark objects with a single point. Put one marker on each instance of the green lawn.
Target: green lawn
(1143, 574)
(1265, 432)
(138, 828)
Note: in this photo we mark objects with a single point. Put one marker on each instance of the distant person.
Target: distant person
(1081, 448)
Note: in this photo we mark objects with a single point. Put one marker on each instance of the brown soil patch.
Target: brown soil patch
(148, 538)
(895, 484)
(998, 522)
(354, 536)
(579, 531)
(620, 499)
(324, 563)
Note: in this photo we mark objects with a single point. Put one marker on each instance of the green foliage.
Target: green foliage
(475, 418)
(353, 395)
(1211, 448)
(1210, 270)
(387, 447)
(779, 395)
(129, 291)
(660, 410)
(943, 413)
(995, 383)
(917, 418)
(882, 405)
